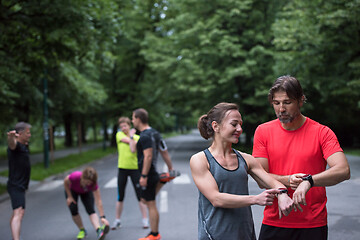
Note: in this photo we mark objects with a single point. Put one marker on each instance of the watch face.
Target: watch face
(307, 176)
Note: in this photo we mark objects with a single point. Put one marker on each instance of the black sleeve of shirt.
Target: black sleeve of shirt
(145, 142)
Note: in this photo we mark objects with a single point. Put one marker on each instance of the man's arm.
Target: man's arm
(12, 135)
(146, 166)
(284, 179)
(337, 172)
(166, 156)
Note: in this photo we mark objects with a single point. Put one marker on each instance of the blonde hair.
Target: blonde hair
(124, 120)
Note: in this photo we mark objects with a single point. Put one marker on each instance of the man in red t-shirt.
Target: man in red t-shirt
(296, 151)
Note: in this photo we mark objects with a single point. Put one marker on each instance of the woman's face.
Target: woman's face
(230, 128)
(85, 182)
(125, 128)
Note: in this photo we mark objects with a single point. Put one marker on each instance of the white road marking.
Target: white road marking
(163, 201)
(50, 185)
(182, 179)
(112, 183)
(165, 168)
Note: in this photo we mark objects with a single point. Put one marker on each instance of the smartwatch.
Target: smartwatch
(308, 177)
(144, 176)
(283, 190)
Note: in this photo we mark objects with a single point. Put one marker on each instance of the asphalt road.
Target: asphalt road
(47, 216)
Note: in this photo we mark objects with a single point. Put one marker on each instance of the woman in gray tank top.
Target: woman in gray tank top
(221, 175)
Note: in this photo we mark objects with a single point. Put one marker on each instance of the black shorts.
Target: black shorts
(149, 192)
(17, 196)
(277, 233)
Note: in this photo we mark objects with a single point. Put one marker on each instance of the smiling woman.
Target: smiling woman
(221, 175)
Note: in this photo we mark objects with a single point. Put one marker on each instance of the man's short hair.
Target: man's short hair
(21, 126)
(142, 114)
(288, 84)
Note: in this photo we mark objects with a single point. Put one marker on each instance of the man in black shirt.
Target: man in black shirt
(148, 147)
(19, 173)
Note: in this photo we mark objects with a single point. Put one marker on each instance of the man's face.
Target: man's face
(24, 136)
(286, 109)
(135, 121)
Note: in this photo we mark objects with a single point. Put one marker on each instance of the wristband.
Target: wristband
(308, 177)
(102, 216)
(144, 176)
(131, 137)
(283, 190)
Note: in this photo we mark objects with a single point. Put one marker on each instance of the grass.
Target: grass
(60, 165)
(38, 172)
(352, 151)
(2, 188)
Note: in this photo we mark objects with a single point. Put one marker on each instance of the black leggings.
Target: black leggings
(86, 198)
(122, 181)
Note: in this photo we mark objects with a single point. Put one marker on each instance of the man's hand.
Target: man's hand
(12, 136)
(143, 182)
(295, 180)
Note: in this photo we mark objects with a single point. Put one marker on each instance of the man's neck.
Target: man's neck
(296, 124)
(143, 127)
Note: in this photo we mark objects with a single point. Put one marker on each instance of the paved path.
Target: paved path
(39, 157)
(46, 202)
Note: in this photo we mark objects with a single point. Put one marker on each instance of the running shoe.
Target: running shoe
(102, 231)
(151, 237)
(82, 234)
(168, 176)
(116, 225)
(145, 222)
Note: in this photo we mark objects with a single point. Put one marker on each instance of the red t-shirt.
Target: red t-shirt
(304, 150)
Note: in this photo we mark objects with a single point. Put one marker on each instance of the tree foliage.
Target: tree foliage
(177, 58)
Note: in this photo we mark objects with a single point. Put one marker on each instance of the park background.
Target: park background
(72, 67)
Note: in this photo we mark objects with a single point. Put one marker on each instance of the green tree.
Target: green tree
(318, 42)
(207, 52)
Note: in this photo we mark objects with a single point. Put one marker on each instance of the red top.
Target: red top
(304, 150)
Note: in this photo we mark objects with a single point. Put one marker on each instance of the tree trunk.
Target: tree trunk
(68, 133)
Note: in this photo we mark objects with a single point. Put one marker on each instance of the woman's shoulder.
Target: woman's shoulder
(198, 155)
(247, 157)
(198, 162)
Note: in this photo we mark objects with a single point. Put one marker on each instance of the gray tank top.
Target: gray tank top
(226, 223)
